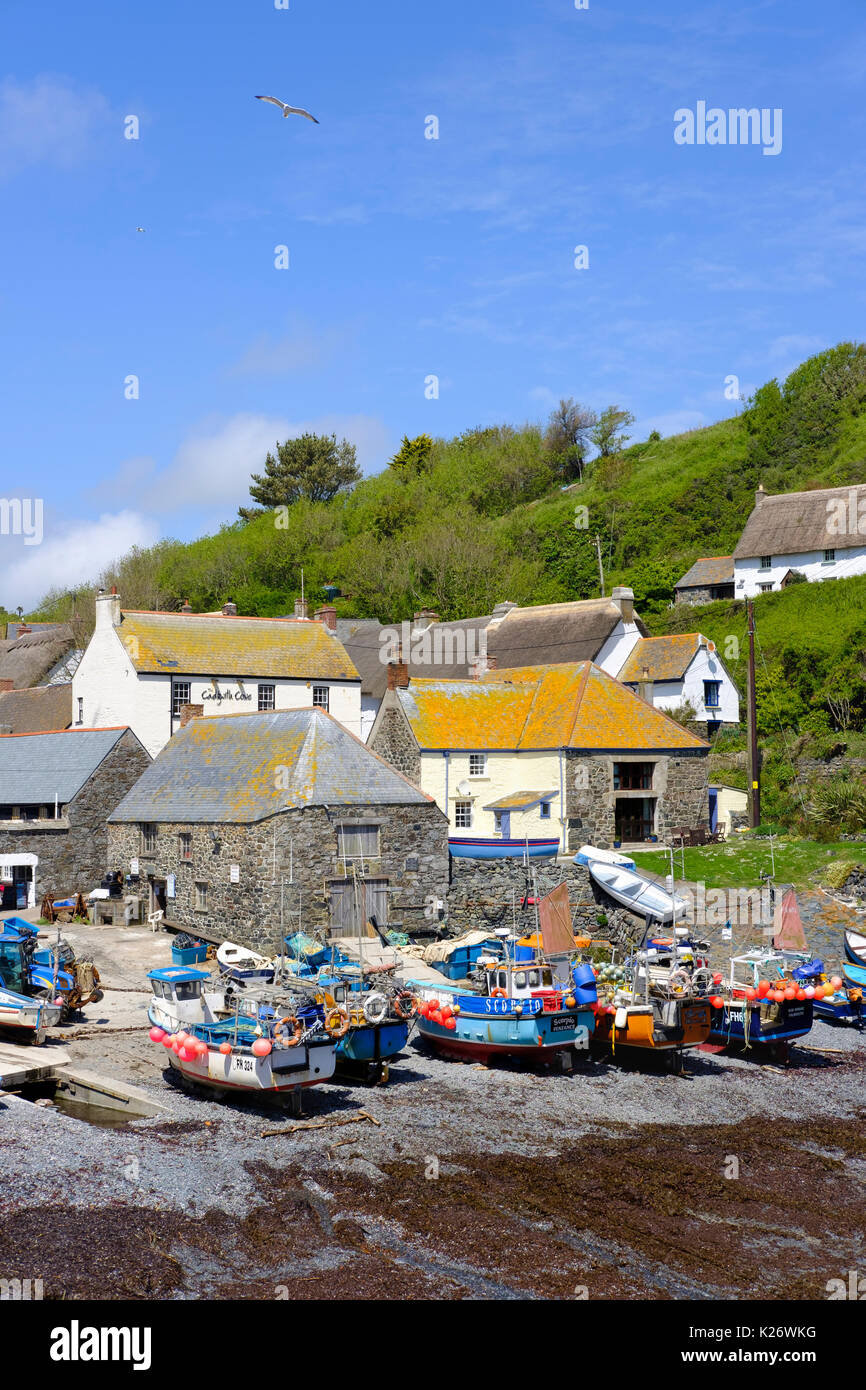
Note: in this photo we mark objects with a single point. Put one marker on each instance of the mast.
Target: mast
(754, 766)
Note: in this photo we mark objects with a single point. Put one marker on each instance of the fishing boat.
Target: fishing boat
(655, 1001)
(276, 1046)
(462, 847)
(588, 854)
(240, 963)
(26, 1018)
(854, 975)
(762, 1004)
(516, 1011)
(636, 893)
(855, 947)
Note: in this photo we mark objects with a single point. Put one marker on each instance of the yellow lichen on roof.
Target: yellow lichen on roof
(536, 708)
(665, 658)
(205, 645)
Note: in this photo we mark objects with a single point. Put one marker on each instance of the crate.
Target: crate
(193, 955)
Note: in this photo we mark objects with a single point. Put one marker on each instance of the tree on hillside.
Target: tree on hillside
(412, 457)
(313, 466)
(568, 435)
(609, 435)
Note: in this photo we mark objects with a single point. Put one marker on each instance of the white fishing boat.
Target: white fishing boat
(855, 947)
(636, 893)
(274, 1045)
(588, 854)
(243, 964)
(28, 1017)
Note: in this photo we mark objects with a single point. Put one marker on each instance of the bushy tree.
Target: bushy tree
(413, 456)
(313, 466)
(608, 434)
(568, 436)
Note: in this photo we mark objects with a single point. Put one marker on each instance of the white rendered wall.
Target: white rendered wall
(506, 774)
(748, 575)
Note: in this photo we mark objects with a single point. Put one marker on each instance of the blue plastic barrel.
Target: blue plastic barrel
(585, 990)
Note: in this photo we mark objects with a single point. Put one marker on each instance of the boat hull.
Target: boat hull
(642, 1034)
(854, 975)
(462, 848)
(372, 1043)
(636, 893)
(728, 1025)
(480, 1033)
(855, 948)
(281, 1072)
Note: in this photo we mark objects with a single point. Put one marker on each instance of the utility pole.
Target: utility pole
(754, 765)
(600, 566)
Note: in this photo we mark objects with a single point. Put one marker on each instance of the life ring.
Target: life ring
(679, 982)
(405, 1004)
(375, 1007)
(340, 1027)
(281, 1034)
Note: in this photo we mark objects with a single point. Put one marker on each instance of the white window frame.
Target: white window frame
(267, 692)
(325, 704)
(463, 808)
(176, 702)
(201, 895)
(475, 771)
(765, 588)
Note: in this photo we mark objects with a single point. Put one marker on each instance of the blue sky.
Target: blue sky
(408, 257)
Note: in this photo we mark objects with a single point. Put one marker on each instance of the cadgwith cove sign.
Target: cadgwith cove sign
(240, 696)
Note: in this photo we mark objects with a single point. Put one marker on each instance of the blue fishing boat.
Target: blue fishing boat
(517, 1012)
(854, 975)
(762, 1004)
(463, 847)
(30, 972)
(369, 1026)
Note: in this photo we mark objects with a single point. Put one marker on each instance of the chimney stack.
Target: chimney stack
(185, 607)
(645, 686)
(230, 610)
(759, 495)
(327, 614)
(188, 712)
(624, 600)
(6, 684)
(398, 675)
(422, 620)
(107, 609)
(300, 608)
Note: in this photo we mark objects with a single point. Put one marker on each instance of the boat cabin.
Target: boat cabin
(518, 979)
(178, 993)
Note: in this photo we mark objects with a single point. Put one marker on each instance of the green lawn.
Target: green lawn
(739, 863)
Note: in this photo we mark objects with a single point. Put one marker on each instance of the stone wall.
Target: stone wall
(72, 851)
(679, 786)
(705, 593)
(486, 893)
(293, 856)
(395, 743)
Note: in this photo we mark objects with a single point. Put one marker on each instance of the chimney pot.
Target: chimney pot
(230, 610)
(23, 629)
(185, 608)
(114, 588)
(327, 614)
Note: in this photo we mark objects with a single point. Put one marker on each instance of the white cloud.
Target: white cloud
(71, 554)
(49, 120)
(212, 469)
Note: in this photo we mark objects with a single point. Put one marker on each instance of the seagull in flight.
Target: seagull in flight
(288, 110)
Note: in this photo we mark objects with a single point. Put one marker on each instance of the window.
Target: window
(477, 764)
(463, 814)
(829, 557)
(355, 841)
(180, 696)
(632, 777)
(201, 897)
(80, 715)
(267, 697)
(320, 697)
(544, 810)
(765, 588)
(148, 838)
(185, 845)
(766, 562)
(497, 822)
(711, 694)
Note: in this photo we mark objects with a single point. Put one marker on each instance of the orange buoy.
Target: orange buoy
(261, 1047)
(225, 1048)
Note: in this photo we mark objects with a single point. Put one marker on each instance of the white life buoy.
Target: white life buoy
(375, 1007)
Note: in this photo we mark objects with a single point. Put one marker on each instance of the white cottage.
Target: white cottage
(668, 671)
(140, 669)
(819, 534)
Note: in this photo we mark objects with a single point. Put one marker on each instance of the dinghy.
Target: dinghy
(240, 963)
(855, 947)
(588, 854)
(636, 893)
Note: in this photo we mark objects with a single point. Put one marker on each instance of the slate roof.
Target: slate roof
(38, 767)
(208, 644)
(44, 707)
(551, 633)
(542, 707)
(707, 572)
(242, 768)
(788, 523)
(27, 660)
(520, 801)
(362, 638)
(667, 658)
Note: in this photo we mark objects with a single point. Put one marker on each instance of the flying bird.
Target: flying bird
(289, 110)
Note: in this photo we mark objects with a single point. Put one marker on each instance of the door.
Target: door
(372, 898)
(714, 809)
(157, 894)
(505, 824)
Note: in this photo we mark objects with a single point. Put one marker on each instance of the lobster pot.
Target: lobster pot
(585, 991)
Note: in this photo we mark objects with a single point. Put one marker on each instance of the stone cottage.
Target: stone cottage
(709, 579)
(56, 792)
(563, 751)
(248, 826)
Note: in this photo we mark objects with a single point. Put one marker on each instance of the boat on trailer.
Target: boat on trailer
(25, 1017)
(278, 1045)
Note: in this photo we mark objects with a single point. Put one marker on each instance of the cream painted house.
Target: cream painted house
(560, 752)
(140, 669)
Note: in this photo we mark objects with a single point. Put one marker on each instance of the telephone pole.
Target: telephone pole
(600, 566)
(754, 764)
